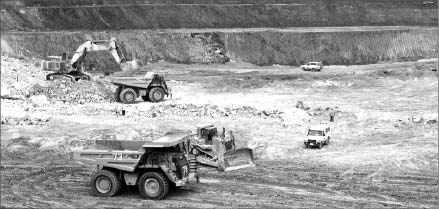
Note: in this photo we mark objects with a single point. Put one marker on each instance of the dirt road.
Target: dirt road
(378, 157)
(271, 184)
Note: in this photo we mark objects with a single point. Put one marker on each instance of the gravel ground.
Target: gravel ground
(383, 153)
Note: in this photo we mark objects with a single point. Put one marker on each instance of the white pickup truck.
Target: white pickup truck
(317, 136)
(312, 66)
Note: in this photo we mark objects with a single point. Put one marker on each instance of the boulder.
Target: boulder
(5, 93)
(293, 116)
(12, 121)
(417, 119)
(39, 100)
(126, 133)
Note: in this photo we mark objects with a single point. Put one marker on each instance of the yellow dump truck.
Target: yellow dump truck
(154, 166)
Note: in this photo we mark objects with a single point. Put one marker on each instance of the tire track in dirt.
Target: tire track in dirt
(297, 185)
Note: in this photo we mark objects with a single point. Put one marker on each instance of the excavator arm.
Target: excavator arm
(98, 45)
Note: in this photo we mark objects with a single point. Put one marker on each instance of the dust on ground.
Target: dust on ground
(383, 151)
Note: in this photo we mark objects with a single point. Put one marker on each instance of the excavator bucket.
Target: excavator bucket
(238, 158)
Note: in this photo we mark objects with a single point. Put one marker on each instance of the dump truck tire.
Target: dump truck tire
(105, 183)
(128, 96)
(85, 77)
(156, 94)
(117, 94)
(153, 185)
(49, 77)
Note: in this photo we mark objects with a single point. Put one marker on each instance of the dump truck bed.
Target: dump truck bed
(123, 154)
(139, 82)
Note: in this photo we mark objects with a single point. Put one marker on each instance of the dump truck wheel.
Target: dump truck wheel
(156, 94)
(153, 185)
(128, 96)
(105, 183)
(85, 77)
(117, 94)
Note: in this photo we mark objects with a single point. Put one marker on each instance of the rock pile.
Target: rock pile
(26, 120)
(17, 77)
(21, 79)
(73, 92)
(192, 110)
(425, 119)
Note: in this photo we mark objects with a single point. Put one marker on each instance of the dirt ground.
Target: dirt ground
(383, 153)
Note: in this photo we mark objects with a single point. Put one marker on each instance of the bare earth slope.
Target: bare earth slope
(54, 15)
(261, 46)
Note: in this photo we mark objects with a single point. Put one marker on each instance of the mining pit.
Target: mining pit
(234, 64)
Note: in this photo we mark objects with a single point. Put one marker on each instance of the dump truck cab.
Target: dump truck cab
(154, 166)
(317, 136)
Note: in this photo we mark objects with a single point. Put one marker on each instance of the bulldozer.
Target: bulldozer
(73, 68)
(219, 150)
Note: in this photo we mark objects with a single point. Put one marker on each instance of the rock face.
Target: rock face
(128, 21)
(144, 46)
(342, 48)
(286, 47)
(214, 14)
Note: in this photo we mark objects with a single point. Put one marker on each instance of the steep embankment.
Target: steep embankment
(343, 47)
(41, 3)
(275, 14)
(143, 46)
(360, 45)
(139, 26)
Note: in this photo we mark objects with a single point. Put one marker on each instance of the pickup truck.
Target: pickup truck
(317, 136)
(312, 66)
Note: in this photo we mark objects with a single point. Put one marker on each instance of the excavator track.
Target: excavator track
(53, 76)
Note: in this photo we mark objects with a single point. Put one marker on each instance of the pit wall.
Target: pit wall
(345, 48)
(261, 47)
(42, 3)
(168, 16)
(142, 46)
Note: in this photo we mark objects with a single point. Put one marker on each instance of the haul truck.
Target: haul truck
(154, 166)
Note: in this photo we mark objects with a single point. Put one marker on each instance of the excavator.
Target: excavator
(218, 149)
(73, 69)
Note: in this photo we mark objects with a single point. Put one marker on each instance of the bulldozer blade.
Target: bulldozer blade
(238, 158)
